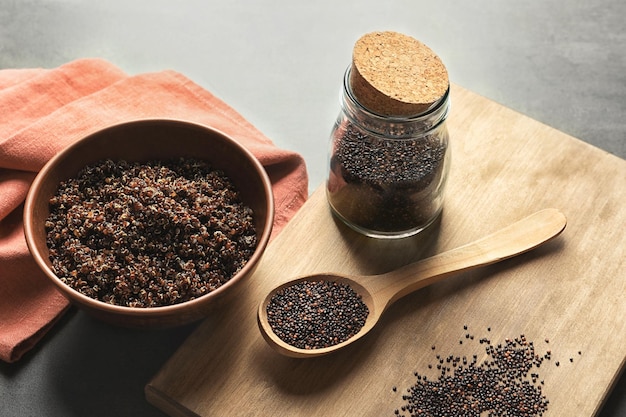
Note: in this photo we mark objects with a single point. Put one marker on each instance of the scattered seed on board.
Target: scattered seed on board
(503, 384)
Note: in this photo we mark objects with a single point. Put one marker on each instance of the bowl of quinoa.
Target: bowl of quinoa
(150, 223)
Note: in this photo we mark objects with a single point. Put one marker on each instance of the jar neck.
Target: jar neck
(393, 126)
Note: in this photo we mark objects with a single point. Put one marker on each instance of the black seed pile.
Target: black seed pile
(148, 234)
(505, 384)
(316, 314)
(385, 185)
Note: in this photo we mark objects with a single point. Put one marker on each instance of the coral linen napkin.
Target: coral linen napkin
(44, 110)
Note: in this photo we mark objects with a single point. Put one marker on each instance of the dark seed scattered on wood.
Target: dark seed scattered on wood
(503, 384)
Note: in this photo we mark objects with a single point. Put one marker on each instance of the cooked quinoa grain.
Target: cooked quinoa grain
(148, 234)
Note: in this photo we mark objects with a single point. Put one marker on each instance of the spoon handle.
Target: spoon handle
(510, 241)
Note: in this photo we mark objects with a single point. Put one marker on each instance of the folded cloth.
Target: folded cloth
(44, 110)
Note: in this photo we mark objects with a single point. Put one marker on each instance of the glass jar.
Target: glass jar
(387, 174)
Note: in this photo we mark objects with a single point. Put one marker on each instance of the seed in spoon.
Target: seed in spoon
(316, 314)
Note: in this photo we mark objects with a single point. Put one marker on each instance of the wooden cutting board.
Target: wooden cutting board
(568, 296)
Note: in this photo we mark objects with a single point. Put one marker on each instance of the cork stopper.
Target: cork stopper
(395, 75)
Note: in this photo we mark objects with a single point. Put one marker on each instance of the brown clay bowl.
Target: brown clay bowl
(141, 141)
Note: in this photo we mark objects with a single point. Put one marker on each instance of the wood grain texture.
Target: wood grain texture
(570, 291)
(380, 291)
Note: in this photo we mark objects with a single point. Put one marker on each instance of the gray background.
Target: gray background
(280, 64)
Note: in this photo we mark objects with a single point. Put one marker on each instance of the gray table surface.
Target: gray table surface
(280, 64)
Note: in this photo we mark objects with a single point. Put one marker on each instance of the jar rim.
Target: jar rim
(442, 104)
(393, 127)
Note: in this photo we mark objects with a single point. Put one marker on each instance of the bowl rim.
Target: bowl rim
(262, 240)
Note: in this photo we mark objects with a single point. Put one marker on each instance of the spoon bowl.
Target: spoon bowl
(378, 292)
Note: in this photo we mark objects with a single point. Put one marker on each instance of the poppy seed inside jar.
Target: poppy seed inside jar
(148, 234)
(386, 185)
(316, 314)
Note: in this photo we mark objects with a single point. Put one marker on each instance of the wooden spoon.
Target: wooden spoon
(380, 291)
